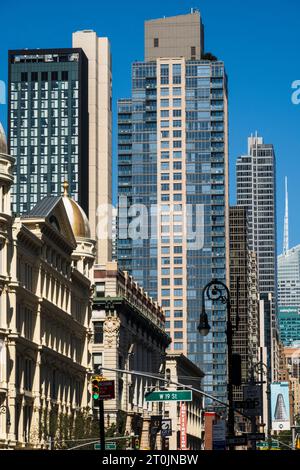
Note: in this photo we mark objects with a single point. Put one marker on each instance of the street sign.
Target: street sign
(155, 424)
(166, 427)
(106, 389)
(108, 446)
(252, 405)
(253, 395)
(237, 440)
(256, 436)
(176, 395)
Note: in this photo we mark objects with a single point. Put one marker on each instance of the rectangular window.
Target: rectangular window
(177, 154)
(164, 91)
(176, 134)
(177, 102)
(165, 155)
(164, 103)
(178, 324)
(165, 271)
(97, 361)
(164, 113)
(178, 313)
(178, 292)
(100, 289)
(54, 76)
(178, 334)
(193, 53)
(64, 75)
(34, 76)
(177, 165)
(176, 112)
(178, 271)
(176, 91)
(24, 77)
(98, 332)
(44, 76)
(156, 42)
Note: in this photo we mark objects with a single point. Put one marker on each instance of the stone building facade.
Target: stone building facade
(46, 261)
(129, 334)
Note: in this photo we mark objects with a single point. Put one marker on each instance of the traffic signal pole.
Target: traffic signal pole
(101, 424)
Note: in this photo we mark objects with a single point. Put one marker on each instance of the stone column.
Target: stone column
(145, 437)
(12, 391)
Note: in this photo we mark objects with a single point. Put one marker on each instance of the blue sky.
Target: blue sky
(258, 40)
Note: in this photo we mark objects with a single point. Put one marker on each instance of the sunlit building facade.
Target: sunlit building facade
(173, 161)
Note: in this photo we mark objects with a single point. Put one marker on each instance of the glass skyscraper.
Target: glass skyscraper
(173, 178)
(256, 190)
(48, 124)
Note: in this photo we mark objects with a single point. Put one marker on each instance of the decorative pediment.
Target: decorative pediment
(51, 213)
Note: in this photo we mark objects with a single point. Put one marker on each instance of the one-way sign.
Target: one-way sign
(237, 440)
(256, 436)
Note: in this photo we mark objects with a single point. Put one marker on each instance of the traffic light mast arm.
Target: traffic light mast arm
(172, 382)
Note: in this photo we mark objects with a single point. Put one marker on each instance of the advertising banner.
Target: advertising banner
(280, 406)
(183, 425)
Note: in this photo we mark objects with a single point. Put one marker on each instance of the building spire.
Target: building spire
(286, 220)
(66, 188)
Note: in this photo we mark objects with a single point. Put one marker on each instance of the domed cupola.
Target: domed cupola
(77, 217)
(3, 143)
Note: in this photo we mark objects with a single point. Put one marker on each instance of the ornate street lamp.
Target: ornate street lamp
(214, 291)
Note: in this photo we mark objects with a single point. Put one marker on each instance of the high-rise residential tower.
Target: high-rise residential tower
(48, 124)
(255, 177)
(173, 186)
(97, 51)
(60, 128)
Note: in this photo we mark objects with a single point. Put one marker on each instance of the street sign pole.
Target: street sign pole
(101, 424)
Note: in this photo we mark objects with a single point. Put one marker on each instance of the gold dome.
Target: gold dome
(77, 217)
(3, 144)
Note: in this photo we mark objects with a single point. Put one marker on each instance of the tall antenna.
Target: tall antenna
(286, 220)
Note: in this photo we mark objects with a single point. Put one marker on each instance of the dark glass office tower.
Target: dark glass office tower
(48, 124)
(173, 159)
(256, 190)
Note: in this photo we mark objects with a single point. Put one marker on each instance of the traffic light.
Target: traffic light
(298, 443)
(95, 389)
(135, 443)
